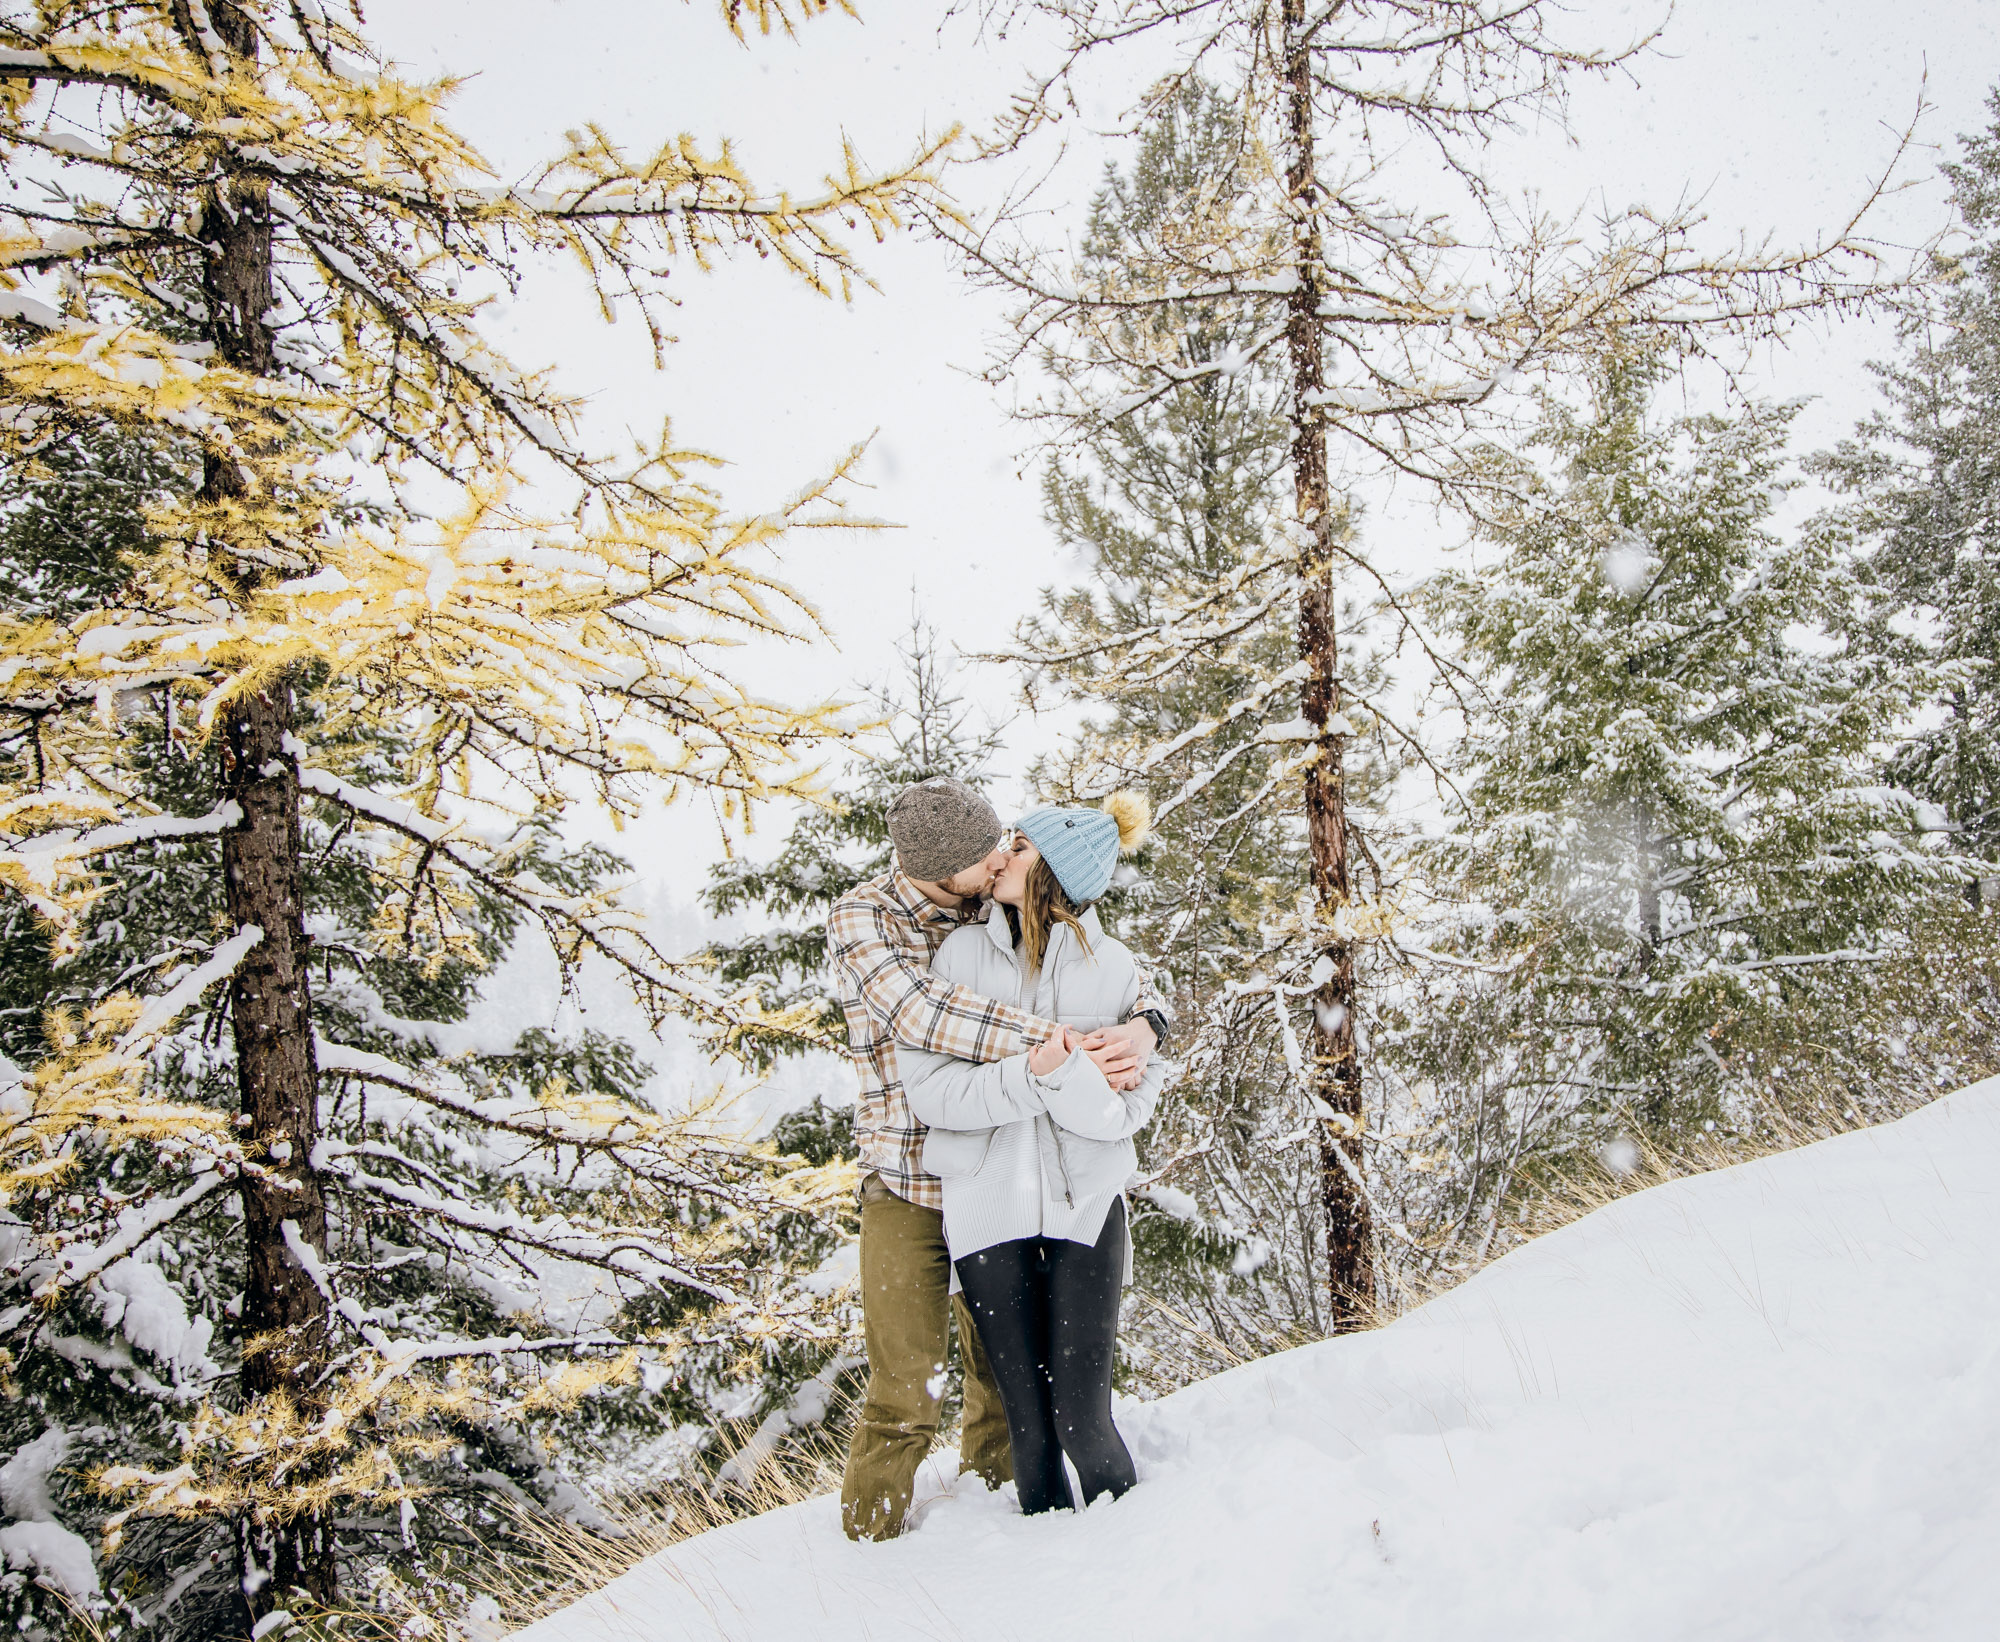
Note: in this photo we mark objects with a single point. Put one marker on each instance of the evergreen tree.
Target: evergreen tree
(1678, 895)
(1404, 305)
(1178, 645)
(296, 751)
(1174, 510)
(1924, 475)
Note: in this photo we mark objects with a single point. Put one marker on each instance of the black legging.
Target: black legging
(1047, 1312)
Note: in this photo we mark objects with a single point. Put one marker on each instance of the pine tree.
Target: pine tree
(1679, 895)
(1924, 475)
(1404, 299)
(1177, 646)
(386, 620)
(1174, 508)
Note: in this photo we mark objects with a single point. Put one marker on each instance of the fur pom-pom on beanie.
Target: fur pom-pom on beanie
(1082, 846)
(1133, 812)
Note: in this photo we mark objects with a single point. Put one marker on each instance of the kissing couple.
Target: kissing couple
(1008, 1051)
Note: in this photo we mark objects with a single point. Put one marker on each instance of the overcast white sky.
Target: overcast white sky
(1775, 112)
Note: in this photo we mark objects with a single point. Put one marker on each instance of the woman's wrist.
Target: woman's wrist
(1051, 1052)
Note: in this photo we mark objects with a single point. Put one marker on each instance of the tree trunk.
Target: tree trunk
(284, 1320)
(1336, 1067)
(278, 1078)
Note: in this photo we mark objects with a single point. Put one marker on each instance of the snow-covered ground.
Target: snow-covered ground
(1764, 1403)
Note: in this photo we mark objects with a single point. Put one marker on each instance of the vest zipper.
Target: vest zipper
(1037, 1005)
(1062, 1164)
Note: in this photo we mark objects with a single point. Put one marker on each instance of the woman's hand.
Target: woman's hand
(1052, 1051)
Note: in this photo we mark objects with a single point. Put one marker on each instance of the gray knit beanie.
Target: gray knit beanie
(940, 828)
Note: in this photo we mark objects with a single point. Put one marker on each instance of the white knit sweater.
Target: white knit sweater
(1022, 1155)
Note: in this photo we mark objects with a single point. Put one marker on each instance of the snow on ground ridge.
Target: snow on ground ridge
(1761, 1403)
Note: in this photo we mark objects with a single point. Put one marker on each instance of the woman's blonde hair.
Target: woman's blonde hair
(1043, 906)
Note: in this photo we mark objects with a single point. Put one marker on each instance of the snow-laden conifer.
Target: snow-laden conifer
(1680, 891)
(1403, 294)
(1177, 644)
(390, 616)
(1925, 509)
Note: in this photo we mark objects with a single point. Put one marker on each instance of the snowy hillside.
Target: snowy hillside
(1763, 1403)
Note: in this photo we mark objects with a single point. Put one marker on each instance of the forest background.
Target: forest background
(1776, 119)
(1775, 116)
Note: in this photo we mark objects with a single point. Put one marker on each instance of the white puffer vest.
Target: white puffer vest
(1022, 1155)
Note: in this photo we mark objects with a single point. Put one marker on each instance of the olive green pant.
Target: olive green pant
(905, 1306)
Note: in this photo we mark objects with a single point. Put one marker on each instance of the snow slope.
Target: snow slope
(1763, 1403)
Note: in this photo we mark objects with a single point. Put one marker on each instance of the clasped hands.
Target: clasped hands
(1119, 1052)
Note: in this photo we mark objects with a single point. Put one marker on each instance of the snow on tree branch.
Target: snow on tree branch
(368, 615)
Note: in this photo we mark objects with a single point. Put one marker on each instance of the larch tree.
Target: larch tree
(388, 603)
(145, 1327)
(1401, 295)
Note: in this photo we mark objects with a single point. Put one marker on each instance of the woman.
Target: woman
(1034, 1151)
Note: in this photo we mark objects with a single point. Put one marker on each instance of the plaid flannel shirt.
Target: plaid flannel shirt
(882, 936)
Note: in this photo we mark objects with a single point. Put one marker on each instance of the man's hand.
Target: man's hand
(1121, 1052)
(1052, 1051)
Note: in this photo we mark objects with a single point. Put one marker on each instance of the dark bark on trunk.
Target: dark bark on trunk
(284, 1320)
(270, 1005)
(1335, 1066)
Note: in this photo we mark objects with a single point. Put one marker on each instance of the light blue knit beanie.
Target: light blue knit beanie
(1081, 846)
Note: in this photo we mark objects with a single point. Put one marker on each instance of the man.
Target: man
(882, 936)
